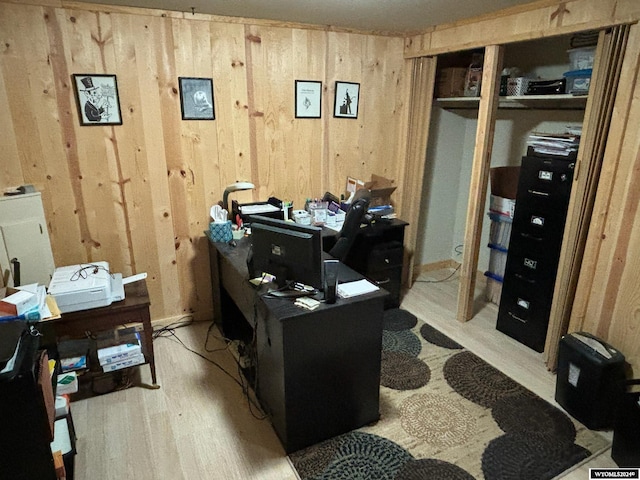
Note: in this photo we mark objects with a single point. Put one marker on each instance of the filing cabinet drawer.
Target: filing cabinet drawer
(384, 256)
(538, 265)
(544, 178)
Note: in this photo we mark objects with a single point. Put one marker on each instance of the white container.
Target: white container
(581, 58)
(302, 217)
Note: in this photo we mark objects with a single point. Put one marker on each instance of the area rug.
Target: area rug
(445, 414)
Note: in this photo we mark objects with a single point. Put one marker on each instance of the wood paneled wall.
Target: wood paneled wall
(138, 194)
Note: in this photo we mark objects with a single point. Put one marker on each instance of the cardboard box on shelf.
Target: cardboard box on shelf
(381, 189)
(450, 82)
(504, 186)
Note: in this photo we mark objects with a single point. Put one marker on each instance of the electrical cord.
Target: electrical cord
(443, 280)
(169, 333)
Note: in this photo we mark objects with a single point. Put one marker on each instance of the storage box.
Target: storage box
(17, 302)
(381, 189)
(581, 58)
(493, 289)
(450, 82)
(504, 186)
(578, 81)
(497, 262)
(517, 86)
(500, 230)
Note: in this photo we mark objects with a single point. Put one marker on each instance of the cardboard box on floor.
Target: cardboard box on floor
(504, 186)
(381, 189)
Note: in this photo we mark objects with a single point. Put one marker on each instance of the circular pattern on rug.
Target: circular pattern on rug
(403, 341)
(432, 335)
(530, 414)
(397, 319)
(313, 460)
(431, 468)
(477, 381)
(516, 456)
(403, 372)
(363, 456)
(438, 420)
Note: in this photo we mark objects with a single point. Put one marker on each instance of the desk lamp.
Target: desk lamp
(234, 187)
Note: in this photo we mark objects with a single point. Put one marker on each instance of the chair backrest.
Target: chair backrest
(350, 228)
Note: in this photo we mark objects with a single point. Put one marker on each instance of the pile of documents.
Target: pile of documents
(558, 144)
(119, 349)
(353, 289)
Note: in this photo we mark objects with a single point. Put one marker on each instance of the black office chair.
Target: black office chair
(351, 225)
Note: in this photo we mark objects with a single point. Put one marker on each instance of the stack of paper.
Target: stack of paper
(559, 144)
(353, 289)
(119, 350)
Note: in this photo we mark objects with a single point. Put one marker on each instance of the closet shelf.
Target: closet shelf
(531, 102)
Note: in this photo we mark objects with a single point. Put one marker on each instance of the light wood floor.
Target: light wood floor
(199, 424)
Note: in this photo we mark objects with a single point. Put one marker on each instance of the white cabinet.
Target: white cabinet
(24, 237)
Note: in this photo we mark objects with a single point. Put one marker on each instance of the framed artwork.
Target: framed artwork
(347, 97)
(196, 98)
(308, 99)
(97, 99)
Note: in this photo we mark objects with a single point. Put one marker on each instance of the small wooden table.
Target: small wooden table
(133, 309)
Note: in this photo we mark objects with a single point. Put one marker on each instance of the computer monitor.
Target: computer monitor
(291, 252)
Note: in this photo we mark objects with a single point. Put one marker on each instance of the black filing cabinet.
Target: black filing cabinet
(544, 187)
(377, 253)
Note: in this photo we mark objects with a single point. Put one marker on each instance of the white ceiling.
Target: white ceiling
(367, 15)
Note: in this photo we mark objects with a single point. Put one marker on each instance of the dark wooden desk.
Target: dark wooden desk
(317, 373)
(133, 309)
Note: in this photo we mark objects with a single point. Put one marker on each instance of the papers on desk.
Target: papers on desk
(257, 209)
(353, 289)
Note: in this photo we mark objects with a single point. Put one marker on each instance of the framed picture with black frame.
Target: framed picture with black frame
(308, 99)
(97, 99)
(347, 100)
(196, 98)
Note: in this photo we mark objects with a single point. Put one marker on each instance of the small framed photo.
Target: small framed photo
(97, 99)
(196, 98)
(347, 97)
(308, 99)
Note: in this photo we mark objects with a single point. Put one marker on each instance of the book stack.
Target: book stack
(119, 349)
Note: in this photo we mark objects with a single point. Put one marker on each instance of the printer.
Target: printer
(84, 286)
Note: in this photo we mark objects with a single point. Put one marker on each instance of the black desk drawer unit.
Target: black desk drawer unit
(544, 187)
(377, 253)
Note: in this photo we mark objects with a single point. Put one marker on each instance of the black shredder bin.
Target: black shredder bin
(590, 379)
(625, 450)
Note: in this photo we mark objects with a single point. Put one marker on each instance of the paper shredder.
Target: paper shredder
(590, 379)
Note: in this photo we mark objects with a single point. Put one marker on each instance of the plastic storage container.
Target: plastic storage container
(578, 81)
(589, 379)
(581, 58)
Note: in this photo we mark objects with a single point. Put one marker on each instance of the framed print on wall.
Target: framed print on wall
(97, 99)
(308, 99)
(347, 97)
(196, 98)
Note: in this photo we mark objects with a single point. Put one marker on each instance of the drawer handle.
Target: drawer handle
(539, 193)
(531, 237)
(380, 282)
(522, 277)
(517, 318)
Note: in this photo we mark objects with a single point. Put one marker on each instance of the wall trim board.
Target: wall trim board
(545, 18)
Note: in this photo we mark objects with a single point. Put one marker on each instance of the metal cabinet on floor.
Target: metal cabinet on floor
(542, 200)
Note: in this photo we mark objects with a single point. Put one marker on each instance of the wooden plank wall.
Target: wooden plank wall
(138, 195)
(539, 19)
